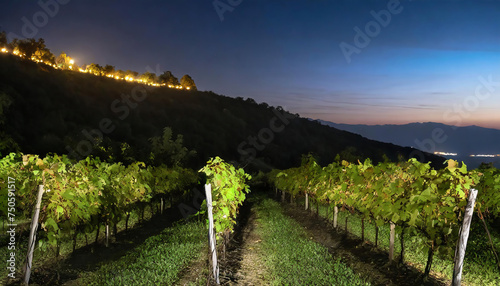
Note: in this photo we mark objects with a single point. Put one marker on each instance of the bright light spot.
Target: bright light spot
(188, 88)
(485, 155)
(4, 50)
(71, 62)
(445, 154)
(70, 67)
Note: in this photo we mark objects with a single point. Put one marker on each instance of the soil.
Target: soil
(371, 263)
(251, 271)
(242, 263)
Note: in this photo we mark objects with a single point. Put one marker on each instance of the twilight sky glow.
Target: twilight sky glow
(431, 61)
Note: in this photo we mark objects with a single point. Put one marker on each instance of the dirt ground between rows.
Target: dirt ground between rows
(370, 262)
(243, 263)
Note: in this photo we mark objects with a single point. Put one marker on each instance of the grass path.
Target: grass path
(291, 257)
(251, 269)
(158, 261)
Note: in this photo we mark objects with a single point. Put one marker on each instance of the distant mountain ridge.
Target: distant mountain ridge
(432, 136)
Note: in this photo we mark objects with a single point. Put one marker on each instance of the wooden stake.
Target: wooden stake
(307, 201)
(391, 241)
(32, 237)
(107, 234)
(211, 233)
(335, 216)
(462, 241)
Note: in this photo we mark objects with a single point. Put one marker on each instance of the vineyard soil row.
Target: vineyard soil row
(361, 256)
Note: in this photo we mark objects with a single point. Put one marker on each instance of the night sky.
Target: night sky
(431, 61)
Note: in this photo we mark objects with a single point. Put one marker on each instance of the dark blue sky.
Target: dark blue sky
(431, 61)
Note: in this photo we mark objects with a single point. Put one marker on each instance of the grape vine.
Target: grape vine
(410, 194)
(86, 193)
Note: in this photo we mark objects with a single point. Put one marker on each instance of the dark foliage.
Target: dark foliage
(51, 110)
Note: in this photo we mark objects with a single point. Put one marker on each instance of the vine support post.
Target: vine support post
(211, 233)
(430, 257)
(107, 234)
(362, 230)
(462, 240)
(307, 201)
(391, 241)
(161, 206)
(282, 196)
(335, 216)
(32, 237)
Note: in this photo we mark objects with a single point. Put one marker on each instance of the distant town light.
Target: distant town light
(71, 62)
(4, 50)
(485, 155)
(445, 153)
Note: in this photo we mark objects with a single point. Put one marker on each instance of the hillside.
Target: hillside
(464, 141)
(47, 110)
